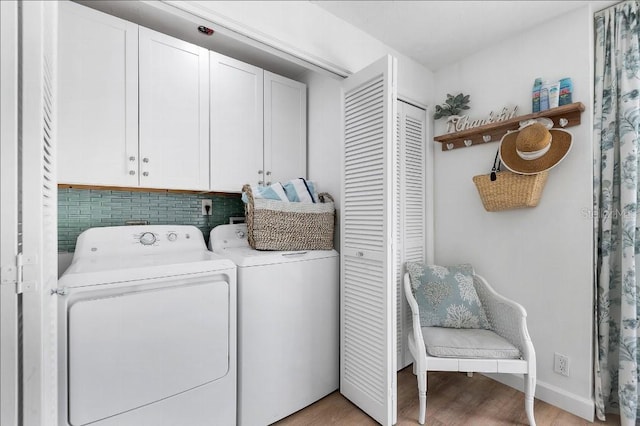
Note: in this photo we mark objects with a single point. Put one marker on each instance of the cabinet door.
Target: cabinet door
(236, 124)
(174, 113)
(285, 128)
(98, 98)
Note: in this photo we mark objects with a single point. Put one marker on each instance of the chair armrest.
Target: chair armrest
(419, 352)
(507, 318)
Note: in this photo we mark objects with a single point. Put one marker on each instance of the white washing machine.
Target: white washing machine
(147, 319)
(288, 326)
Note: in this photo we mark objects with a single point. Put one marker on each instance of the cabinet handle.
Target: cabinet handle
(132, 172)
(260, 182)
(260, 172)
(145, 160)
(145, 173)
(268, 183)
(132, 158)
(268, 173)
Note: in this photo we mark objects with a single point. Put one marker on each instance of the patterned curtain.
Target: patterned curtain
(616, 195)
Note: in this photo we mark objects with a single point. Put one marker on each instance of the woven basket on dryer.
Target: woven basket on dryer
(280, 225)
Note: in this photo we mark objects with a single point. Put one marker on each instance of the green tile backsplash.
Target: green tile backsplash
(80, 209)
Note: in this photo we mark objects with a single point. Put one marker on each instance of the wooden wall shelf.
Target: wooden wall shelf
(563, 116)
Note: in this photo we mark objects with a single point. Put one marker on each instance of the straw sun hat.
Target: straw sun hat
(534, 148)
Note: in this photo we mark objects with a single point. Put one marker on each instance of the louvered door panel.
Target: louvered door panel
(414, 174)
(401, 303)
(368, 338)
(412, 210)
(38, 211)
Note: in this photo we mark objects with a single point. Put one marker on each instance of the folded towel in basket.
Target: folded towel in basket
(275, 191)
(301, 190)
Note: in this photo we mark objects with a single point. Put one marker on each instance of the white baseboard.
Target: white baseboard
(581, 407)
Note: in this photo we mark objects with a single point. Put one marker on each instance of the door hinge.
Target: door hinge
(19, 273)
(23, 286)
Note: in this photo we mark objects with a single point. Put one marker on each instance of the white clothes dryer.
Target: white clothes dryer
(147, 319)
(288, 326)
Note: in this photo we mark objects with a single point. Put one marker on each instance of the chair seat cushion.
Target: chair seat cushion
(467, 343)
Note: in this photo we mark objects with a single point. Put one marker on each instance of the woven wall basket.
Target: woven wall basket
(510, 190)
(279, 225)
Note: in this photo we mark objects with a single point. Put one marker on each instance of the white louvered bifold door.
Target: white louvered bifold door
(399, 253)
(411, 123)
(368, 298)
(39, 203)
(8, 213)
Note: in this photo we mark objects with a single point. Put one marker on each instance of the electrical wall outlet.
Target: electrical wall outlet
(561, 364)
(207, 206)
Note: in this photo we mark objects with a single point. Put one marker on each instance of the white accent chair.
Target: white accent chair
(506, 348)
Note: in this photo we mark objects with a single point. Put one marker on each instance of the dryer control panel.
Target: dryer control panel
(149, 238)
(137, 240)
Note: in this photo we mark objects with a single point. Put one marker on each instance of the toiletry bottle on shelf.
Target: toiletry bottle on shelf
(537, 85)
(544, 96)
(554, 94)
(566, 90)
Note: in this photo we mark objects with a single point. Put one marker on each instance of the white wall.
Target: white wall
(541, 257)
(324, 130)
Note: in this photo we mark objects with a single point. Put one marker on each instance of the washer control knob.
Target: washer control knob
(147, 239)
(172, 236)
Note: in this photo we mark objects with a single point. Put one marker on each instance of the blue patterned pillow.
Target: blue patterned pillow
(446, 296)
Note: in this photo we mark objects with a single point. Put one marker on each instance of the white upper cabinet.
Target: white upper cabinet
(174, 113)
(258, 126)
(98, 98)
(285, 128)
(236, 123)
(139, 108)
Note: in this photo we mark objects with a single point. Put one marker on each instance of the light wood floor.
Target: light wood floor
(453, 399)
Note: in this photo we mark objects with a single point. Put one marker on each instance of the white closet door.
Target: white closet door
(8, 213)
(236, 124)
(98, 87)
(411, 122)
(38, 203)
(174, 113)
(399, 253)
(285, 128)
(368, 291)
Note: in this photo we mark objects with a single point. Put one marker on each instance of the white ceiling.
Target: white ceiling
(438, 33)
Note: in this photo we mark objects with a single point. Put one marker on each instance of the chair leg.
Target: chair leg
(529, 392)
(422, 393)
